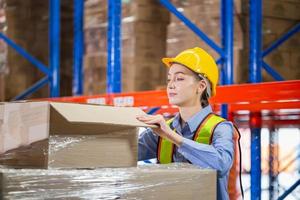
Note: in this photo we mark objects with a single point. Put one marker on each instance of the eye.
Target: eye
(179, 79)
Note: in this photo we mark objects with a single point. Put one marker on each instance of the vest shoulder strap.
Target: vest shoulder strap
(165, 148)
(205, 131)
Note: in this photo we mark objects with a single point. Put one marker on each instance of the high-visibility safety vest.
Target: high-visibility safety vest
(204, 134)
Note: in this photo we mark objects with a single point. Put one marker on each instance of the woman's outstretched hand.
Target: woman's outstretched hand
(163, 129)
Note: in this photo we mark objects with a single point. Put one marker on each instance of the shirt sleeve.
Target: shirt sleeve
(147, 145)
(218, 155)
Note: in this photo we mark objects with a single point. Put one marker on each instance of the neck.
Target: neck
(187, 112)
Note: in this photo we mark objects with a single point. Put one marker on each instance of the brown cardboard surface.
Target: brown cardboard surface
(281, 9)
(117, 149)
(172, 181)
(2, 85)
(85, 113)
(102, 136)
(23, 124)
(139, 19)
(30, 156)
(23, 20)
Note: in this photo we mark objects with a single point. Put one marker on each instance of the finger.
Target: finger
(140, 116)
(146, 117)
(143, 119)
(156, 121)
(153, 121)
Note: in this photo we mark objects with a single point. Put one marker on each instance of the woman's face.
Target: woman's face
(183, 88)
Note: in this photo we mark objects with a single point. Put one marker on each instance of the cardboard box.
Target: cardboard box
(68, 135)
(281, 9)
(280, 61)
(2, 87)
(138, 46)
(145, 182)
(95, 80)
(23, 18)
(151, 13)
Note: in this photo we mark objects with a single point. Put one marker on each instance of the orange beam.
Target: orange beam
(252, 97)
(264, 106)
(270, 91)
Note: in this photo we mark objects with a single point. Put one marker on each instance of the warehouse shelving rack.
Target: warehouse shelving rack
(281, 97)
(255, 65)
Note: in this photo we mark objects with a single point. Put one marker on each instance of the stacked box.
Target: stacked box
(206, 15)
(95, 74)
(141, 51)
(67, 135)
(173, 181)
(151, 20)
(283, 9)
(278, 18)
(21, 73)
(27, 26)
(2, 86)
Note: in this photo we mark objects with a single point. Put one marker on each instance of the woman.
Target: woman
(195, 134)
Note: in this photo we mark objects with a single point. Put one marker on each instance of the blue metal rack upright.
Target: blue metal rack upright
(255, 77)
(227, 42)
(256, 64)
(78, 50)
(114, 81)
(54, 37)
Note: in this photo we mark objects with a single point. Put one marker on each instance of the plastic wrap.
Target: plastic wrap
(75, 152)
(174, 181)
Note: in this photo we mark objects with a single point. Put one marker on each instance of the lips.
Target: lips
(171, 94)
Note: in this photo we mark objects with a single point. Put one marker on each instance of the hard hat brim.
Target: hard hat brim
(168, 61)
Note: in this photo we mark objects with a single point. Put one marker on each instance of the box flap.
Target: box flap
(73, 118)
(86, 113)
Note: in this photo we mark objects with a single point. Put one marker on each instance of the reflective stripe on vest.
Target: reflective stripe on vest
(203, 135)
(165, 148)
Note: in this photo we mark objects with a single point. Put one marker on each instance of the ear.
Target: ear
(201, 86)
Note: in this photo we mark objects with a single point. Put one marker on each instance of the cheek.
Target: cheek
(187, 89)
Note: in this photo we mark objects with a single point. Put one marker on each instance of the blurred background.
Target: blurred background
(102, 47)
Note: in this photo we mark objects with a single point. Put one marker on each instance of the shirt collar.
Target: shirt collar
(194, 121)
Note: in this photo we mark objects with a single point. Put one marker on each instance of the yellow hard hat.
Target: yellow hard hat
(198, 61)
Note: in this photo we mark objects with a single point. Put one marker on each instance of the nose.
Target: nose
(171, 84)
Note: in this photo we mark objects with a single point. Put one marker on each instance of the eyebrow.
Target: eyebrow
(177, 73)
